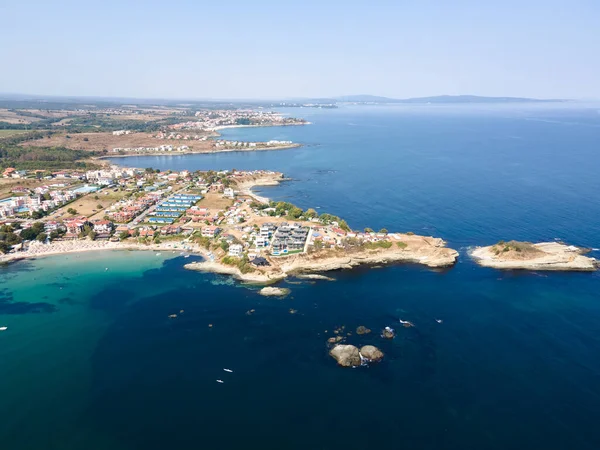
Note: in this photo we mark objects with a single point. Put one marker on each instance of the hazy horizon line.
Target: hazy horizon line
(30, 96)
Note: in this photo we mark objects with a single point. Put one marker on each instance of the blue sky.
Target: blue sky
(279, 49)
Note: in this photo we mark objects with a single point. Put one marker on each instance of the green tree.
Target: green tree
(72, 211)
(384, 231)
(344, 226)
(368, 230)
(28, 234)
(294, 212)
(42, 237)
(310, 213)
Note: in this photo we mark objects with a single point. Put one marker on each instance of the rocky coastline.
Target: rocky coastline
(303, 265)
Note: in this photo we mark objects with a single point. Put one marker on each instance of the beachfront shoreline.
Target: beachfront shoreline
(224, 127)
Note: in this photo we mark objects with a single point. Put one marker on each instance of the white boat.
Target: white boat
(3, 328)
(220, 381)
(186, 256)
(228, 370)
(158, 254)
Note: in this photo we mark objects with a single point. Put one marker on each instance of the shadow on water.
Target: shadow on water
(111, 299)
(9, 306)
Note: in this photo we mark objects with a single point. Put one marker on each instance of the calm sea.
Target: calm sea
(91, 360)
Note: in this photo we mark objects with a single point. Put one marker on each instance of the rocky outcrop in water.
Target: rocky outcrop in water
(346, 355)
(542, 256)
(270, 291)
(371, 353)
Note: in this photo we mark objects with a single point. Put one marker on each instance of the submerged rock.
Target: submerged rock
(362, 330)
(371, 353)
(334, 340)
(270, 291)
(346, 355)
(314, 276)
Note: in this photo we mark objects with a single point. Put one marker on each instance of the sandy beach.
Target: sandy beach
(245, 187)
(38, 249)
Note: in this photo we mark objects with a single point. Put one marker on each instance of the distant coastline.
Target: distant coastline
(211, 152)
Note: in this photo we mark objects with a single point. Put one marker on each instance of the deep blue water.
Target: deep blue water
(91, 360)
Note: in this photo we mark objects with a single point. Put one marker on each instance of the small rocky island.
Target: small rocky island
(351, 356)
(542, 256)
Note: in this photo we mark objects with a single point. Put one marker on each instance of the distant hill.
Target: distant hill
(442, 99)
(366, 99)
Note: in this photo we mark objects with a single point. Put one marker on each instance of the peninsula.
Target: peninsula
(278, 239)
(542, 256)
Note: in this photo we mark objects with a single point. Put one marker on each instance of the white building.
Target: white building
(235, 250)
(229, 192)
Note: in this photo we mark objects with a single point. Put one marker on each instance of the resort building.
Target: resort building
(289, 238)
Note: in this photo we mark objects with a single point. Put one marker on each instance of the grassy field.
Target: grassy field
(106, 198)
(215, 202)
(106, 140)
(88, 206)
(6, 133)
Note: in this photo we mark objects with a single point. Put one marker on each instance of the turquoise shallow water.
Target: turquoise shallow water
(91, 360)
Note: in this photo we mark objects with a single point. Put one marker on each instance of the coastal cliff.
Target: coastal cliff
(541, 256)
